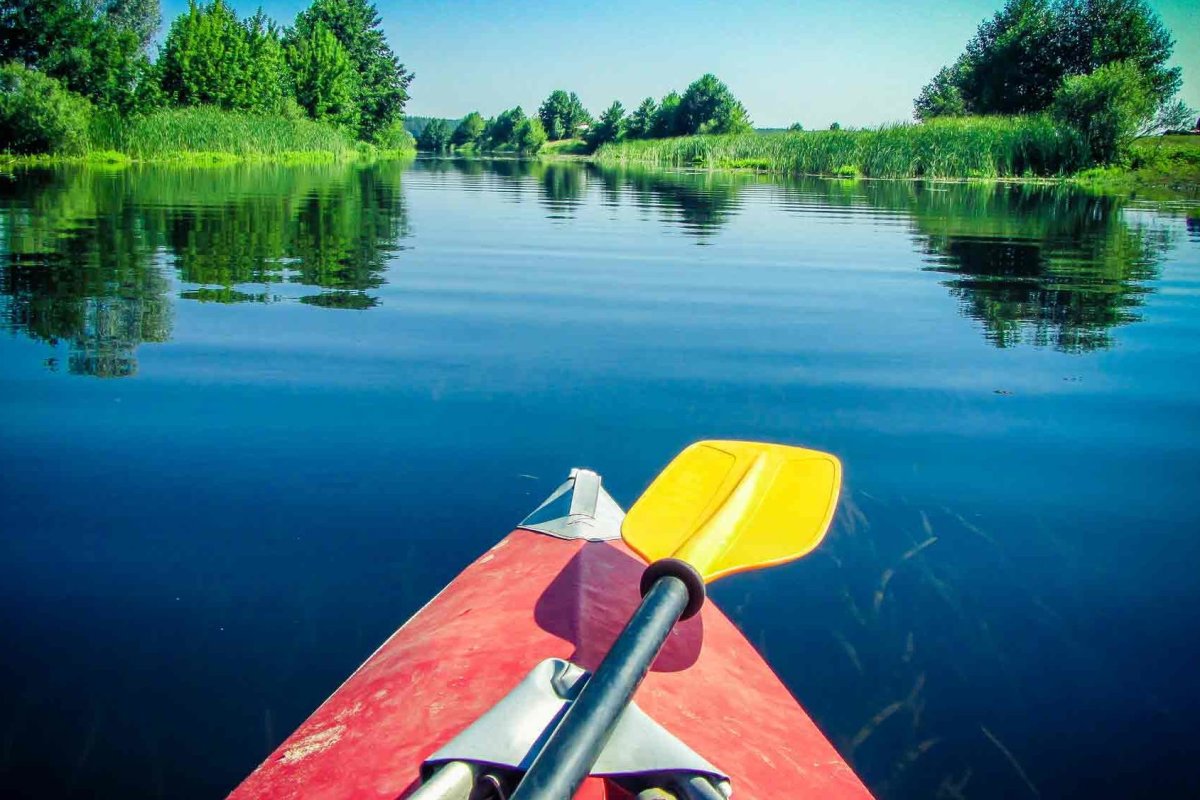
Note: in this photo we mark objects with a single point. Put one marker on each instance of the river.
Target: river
(253, 417)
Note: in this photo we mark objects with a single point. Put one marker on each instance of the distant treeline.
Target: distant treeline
(706, 106)
(67, 62)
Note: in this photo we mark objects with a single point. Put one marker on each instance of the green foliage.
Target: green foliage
(327, 84)
(394, 137)
(1011, 66)
(205, 131)
(667, 119)
(435, 138)
(206, 58)
(641, 121)
(39, 115)
(707, 106)
(139, 17)
(500, 130)
(1170, 117)
(267, 76)
(795, 127)
(1017, 59)
(562, 114)
(529, 136)
(1107, 108)
(835, 126)
(941, 97)
(1099, 32)
(77, 43)
(991, 147)
(382, 85)
(609, 128)
(469, 130)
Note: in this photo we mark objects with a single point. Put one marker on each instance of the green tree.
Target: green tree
(667, 120)
(39, 115)
(1099, 32)
(609, 128)
(561, 114)
(795, 127)
(835, 126)
(500, 130)
(1107, 107)
(941, 97)
(205, 58)
(707, 106)
(641, 121)
(327, 84)
(267, 76)
(529, 135)
(1012, 65)
(435, 137)
(139, 17)
(1017, 59)
(383, 81)
(469, 130)
(75, 42)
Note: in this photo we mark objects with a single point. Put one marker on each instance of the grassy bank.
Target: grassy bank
(988, 147)
(1168, 165)
(206, 135)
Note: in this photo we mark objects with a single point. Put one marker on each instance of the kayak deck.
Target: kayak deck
(528, 598)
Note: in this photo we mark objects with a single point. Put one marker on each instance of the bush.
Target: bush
(394, 136)
(1107, 108)
(38, 115)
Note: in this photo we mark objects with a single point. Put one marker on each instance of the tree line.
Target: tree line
(706, 106)
(1099, 65)
(66, 58)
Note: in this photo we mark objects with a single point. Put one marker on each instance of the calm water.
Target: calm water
(253, 418)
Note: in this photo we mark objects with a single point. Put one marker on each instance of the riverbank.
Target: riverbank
(1012, 148)
(209, 136)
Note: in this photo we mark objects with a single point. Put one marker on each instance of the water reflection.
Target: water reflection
(80, 249)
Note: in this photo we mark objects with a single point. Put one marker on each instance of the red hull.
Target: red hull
(529, 598)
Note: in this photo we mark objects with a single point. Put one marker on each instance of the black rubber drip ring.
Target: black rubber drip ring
(684, 572)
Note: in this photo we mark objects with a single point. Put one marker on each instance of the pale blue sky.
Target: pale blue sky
(859, 62)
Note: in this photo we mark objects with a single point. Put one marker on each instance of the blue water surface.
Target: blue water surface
(253, 418)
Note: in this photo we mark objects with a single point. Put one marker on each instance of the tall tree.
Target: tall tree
(562, 114)
(641, 121)
(435, 137)
(1099, 32)
(1013, 65)
(609, 128)
(667, 120)
(75, 42)
(941, 97)
(383, 80)
(707, 106)
(205, 57)
(140, 17)
(327, 84)
(469, 130)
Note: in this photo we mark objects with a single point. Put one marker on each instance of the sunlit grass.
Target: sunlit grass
(981, 147)
(211, 135)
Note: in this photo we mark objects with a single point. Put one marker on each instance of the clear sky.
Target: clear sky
(859, 62)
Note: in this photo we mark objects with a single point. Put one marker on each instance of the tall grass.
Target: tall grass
(979, 147)
(214, 133)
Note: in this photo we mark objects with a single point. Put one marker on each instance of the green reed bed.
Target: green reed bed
(984, 147)
(211, 135)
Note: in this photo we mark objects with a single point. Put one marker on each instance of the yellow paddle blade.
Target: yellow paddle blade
(727, 507)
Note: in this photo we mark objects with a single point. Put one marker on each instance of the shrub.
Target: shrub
(1107, 108)
(394, 136)
(38, 115)
(530, 135)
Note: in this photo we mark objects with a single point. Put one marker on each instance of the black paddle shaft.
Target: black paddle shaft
(568, 755)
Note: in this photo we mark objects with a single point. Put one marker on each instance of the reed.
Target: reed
(976, 147)
(213, 135)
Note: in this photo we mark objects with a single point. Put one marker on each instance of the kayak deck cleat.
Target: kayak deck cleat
(578, 509)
